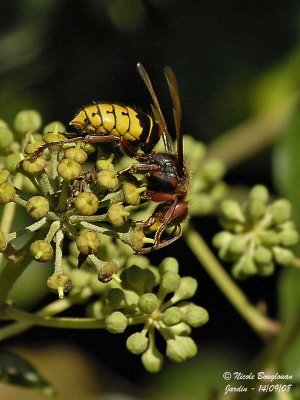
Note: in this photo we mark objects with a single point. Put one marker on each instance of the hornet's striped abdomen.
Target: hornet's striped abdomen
(133, 126)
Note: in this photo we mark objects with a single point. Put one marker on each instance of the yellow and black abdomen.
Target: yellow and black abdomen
(133, 126)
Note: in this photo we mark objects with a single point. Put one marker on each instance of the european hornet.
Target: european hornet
(166, 173)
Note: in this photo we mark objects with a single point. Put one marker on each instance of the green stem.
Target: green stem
(259, 322)
(62, 202)
(254, 135)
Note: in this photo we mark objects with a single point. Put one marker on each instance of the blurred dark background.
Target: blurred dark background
(58, 55)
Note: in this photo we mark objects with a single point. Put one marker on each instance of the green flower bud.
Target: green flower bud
(222, 239)
(7, 193)
(169, 264)
(106, 164)
(137, 343)
(31, 147)
(132, 297)
(106, 273)
(213, 169)
(288, 226)
(116, 298)
(232, 211)
(187, 288)
(152, 360)
(60, 283)
(219, 191)
(135, 259)
(34, 165)
(3, 124)
(27, 121)
(76, 153)
(138, 237)
(255, 209)
(86, 203)
(266, 269)
(107, 179)
(237, 245)
(259, 193)
(132, 193)
(152, 279)
(135, 278)
(3, 242)
(202, 204)
(180, 329)
(4, 176)
(6, 138)
(262, 255)
(117, 214)
(148, 303)
(88, 242)
(172, 316)
(244, 268)
(283, 256)
(281, 211)
(176, 351)
(289, 237)
(189, 345)
(69, 169)
(269, 238)
(170, 281)
(41, 250)
(195, 315)
(52, 137)
(11, 162)
(116, 322)
(37, 207)
(55, 125)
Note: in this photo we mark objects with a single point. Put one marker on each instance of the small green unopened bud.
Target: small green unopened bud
(88, 242)
(195, 315)
(34, 165)
(59, 283)
(281, 211)
(4, 176)
(262, 255)
(289, 237)
(168, 264)
(260, 193)
(116, 322)
(106, 164)
(176, 351)
(3, 242)
(222, 239)
(117, 214)
(41, 250)
(152, 360)
(132, 193)
(138, 237)
(147, 303)
(107, 179)
(269, 238)
(213, 170)
(187, 288)
(170, 281)
(232, 210)
(6, 138)
(69, 169)
(52, 137)
(135, 278)
(189, 345)
(33, 146)
(266, 269)
(283, 256)
(86, 203)
(243, 268)
(12, 161)
(237, 245)
(7, 193)
(137, 343)
(27, 121)
(255, 209)
(76, 153)
(181, 329)
(202, 204)
(106, 273)
(172, 316)
(116, 298)
(54, 126)
(37, 207)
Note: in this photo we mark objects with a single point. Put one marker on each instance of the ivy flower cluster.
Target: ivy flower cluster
(257, 235)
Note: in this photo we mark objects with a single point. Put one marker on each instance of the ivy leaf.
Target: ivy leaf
(15, 370)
